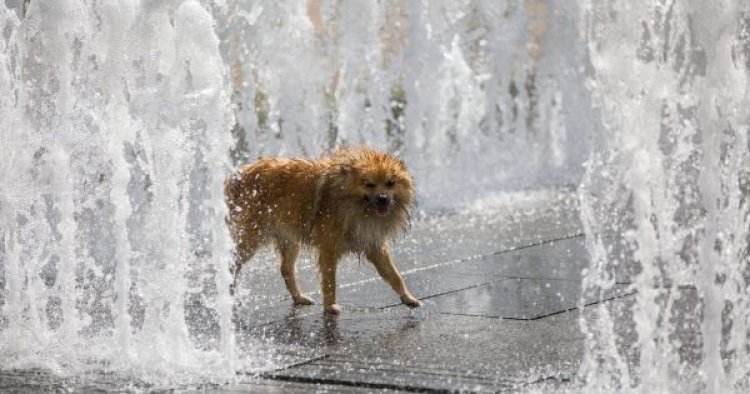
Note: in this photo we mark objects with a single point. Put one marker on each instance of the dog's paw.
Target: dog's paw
(333, 309)
(303, 300)
(411, 302)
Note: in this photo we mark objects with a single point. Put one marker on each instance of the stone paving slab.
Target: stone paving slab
(38, 381)
(391, 349)
(279, 386)
(375, 373)
(455, 342)
(527, 283)
(519, 299)
(556, 264)
(498, 311)
(554, 259)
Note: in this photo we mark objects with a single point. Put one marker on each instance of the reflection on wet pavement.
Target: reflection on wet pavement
(494, 319)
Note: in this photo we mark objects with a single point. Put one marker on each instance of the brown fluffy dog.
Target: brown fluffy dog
(352, 200)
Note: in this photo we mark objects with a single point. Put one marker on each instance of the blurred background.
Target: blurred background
(477, 96)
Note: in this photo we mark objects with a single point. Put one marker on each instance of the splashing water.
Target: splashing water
(666, 208)
(114, 131)
(460, 89)
(117, 131)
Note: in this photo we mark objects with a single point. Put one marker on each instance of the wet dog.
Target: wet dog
(351, 201)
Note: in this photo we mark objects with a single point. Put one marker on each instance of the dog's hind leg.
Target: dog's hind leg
(288, 252)
(246, 244)
(380, 257)
(328, 258)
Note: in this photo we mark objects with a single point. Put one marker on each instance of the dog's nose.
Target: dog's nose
(382, 199)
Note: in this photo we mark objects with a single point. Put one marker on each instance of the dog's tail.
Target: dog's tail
(233, 189)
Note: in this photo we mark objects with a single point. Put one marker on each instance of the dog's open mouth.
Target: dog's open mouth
(381, 210)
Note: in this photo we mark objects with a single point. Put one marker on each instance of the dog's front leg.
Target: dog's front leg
(327, 263)
(381, 259)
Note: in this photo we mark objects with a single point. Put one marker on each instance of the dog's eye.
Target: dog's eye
(370, 185)
(390, 183)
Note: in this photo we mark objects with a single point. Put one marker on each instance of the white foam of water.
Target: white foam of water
(117, 125)
(664, 207)
(116, 132)
(457, 88)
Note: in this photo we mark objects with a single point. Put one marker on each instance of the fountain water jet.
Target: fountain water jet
(665, 208)
(475, 95)
(115, 125)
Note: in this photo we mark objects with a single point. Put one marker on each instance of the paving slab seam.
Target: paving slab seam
(456, 261)
(501, 278)
(397, 368)
(443, 293)
(538, 243)
(477, 256)
(551, 378)
(276, 301)
(350, 383)
(494, 281)
(477, 380)
(286, 367)
(487, 384)
(618, 297)
(497, 280)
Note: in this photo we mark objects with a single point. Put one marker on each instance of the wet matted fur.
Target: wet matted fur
(350, 201)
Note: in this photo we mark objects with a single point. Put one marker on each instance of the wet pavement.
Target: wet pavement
(501, 290)
(500, 285)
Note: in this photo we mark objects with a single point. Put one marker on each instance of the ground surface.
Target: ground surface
(500, 283)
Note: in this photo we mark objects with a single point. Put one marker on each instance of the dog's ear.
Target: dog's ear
(335, 173)
(331, 182)
(401, 164)
(344, 170)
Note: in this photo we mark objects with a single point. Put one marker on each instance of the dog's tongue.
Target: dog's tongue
(381, 210)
